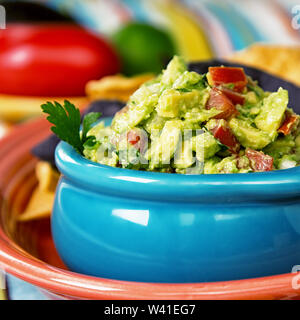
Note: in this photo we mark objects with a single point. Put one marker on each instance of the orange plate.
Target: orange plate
(27, 250)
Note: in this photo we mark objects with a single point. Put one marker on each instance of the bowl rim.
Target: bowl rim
(281, 184)
(21, 264)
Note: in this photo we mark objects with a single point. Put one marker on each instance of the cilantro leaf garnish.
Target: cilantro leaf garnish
(66, 121)
(90, 142)
(87, 123)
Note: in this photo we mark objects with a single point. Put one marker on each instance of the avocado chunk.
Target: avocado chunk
(205, 145)
(201, 115)
(171, 102)
(227, 165)
(175, 69)
(280, 147)
(154, 123)
(210, 165)
(140, 106)
(184, 155)
(163, 147)
(248, 136)
(189, 80)
(272, 111)
(286, 162)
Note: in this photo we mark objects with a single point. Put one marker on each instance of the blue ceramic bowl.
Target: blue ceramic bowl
(158, 227)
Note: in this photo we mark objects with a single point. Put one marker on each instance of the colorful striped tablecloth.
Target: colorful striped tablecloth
(201, 28)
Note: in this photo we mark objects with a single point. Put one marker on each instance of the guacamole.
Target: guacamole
(190, 123)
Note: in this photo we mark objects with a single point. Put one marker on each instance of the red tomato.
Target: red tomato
(219, 100)
(288, 123)
(259, 161)
(223, 133)
(138, 138)
(235, 97)
(225, 75)
(133, 138)
(52, 59)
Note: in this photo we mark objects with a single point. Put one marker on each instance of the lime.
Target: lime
(143, 48)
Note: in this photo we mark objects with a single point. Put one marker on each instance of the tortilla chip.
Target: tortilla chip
(16, 108)
(115, 87)
(4, 128)
(282, 61)
(40, 206)
(42, 199)
(47, 176)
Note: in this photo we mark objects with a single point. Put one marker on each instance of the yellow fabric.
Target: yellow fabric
(16, 108)
(189, 36)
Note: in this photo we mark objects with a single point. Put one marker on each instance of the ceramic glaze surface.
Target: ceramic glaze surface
(156, 227)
